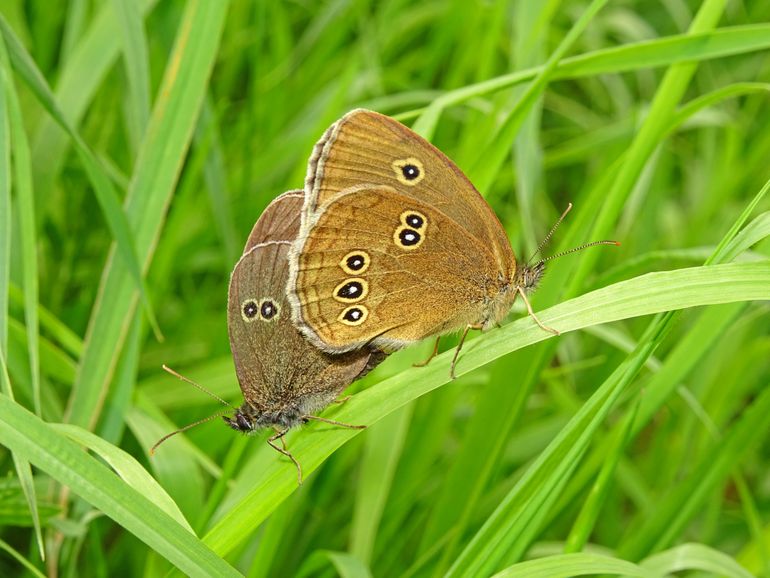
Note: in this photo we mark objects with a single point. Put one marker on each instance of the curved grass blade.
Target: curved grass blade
(695, 557)
(65, 461)
(644, 295)
(666, 51)
(156, 172)
(103, 187)
(568, 565)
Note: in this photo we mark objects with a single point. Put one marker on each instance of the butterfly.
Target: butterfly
(285, 380)
(396, 244)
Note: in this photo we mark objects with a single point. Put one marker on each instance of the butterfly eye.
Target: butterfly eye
(269, 309)
(354, 315)
(249, 310)
(409, 171)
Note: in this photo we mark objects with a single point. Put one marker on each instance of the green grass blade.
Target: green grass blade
(22, 172)
(156, 171)
(81, 76)
(23, 469)
(589, 513)
(490, 160)
(21, 559)
(695, 557)
(5, 212)
(645, 295)
(666, 51)
(127, 468)
(105, 192)
(135, 54)
(65, 461)
(568, 565)
(661, 114)
(348, 566)
(684, 501)
(384, 444)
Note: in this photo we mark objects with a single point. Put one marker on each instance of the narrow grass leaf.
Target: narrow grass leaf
(103, 187)
(695, 557)
(81, 75)
(690, 47)
(5, 211)
(156, 172)
(135, 55)
(22, 173)
(384, 444)
(23, 469)
(64, 461)
(127, 468)
(685, 500)
(589, 512)
(348, 565)
(645, 295)
(21, 559)
(490, 159)
(568, 565)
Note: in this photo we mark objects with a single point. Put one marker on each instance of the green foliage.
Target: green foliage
(139, 142)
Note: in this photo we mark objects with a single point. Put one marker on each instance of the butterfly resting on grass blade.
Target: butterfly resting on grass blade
(396, 244)
(284, 379)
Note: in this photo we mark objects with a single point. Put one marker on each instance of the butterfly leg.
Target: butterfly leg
(279, 436)
(334, 422)
(342, 399)
(532, 313)
(431, 356)
(460, 346)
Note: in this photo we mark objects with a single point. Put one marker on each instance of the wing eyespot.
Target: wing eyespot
(409, 171)
(351, 290)
(355, 262)
(249, 310)
(353, 315)
(407, 238)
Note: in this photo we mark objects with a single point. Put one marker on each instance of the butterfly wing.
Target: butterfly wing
(279, 221)
(382, 268)
(368, 148)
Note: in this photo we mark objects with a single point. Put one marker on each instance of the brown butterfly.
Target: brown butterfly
(396, 244)
(284, 379)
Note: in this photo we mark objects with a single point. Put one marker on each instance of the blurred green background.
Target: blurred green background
(143, 138)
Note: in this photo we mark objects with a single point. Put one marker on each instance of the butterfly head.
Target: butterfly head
(243, 420)
(528, 276)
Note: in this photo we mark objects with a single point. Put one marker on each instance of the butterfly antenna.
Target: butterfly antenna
(547, 238)
(185, 428)
(200, 387)
(580, 248)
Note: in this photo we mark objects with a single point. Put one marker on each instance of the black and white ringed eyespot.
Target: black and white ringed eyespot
(355, 262)
(409, 171)
(269, 309)
(351, 290)
(353, 315)
(249, 310)
(407, 238)
(413, 219)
